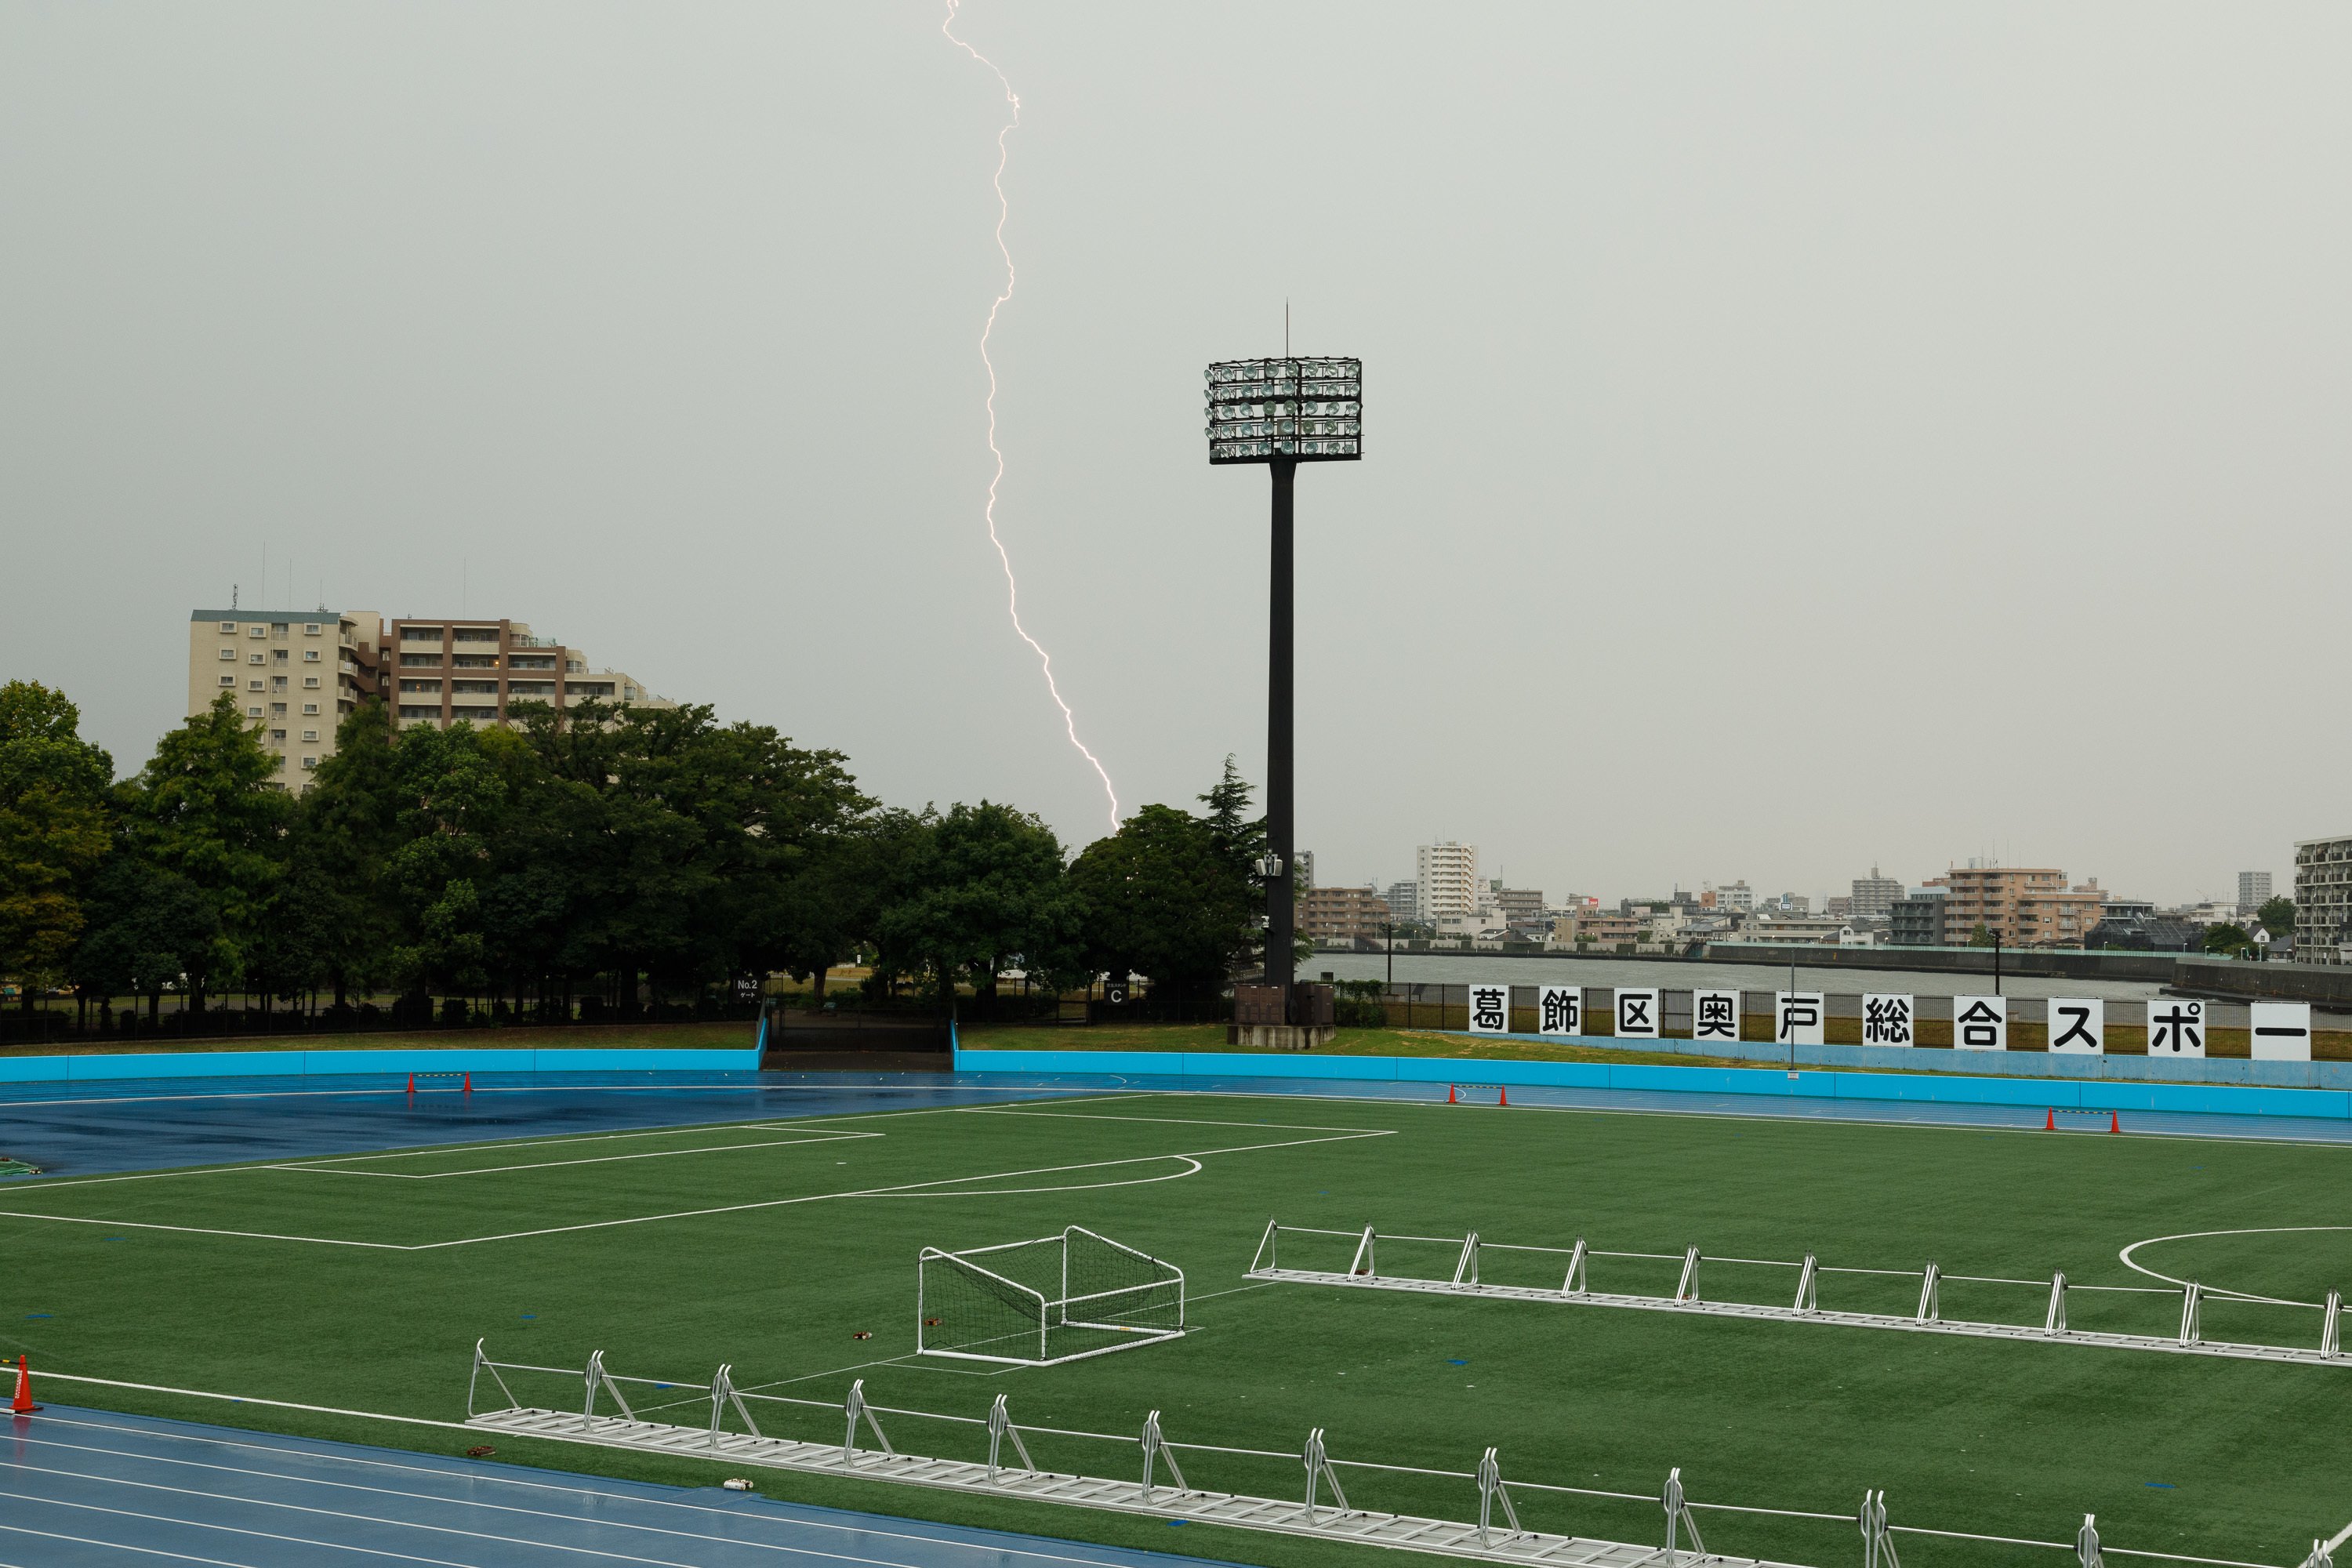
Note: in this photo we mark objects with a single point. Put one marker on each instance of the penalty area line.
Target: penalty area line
(909, 1189)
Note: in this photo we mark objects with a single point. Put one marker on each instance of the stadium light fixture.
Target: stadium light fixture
(1282, 413)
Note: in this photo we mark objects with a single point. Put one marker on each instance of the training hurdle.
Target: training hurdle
(2050, 1117)
(1501, 1091)
(1154, 1482)
(464, 1086)
(1363, 1272)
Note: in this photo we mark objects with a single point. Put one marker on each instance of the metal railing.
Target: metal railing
(1363, 1272)
(1320, 1506)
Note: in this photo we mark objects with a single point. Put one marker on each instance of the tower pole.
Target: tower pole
(1281, 909)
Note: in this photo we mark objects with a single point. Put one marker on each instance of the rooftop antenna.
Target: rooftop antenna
(232, 595)
(1286, 327)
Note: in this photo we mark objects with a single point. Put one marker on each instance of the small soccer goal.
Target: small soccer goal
(1041, 1303)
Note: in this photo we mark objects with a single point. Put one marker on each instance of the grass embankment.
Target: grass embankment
(571, 1036)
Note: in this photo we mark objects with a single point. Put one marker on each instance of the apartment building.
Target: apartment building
(2323, 900)
(1343, 915)
(1872, 898)
(2253, 891)
(1916, 918)
(439, 672)
(2023, 906)
(295, 673)
(1404, 900)
(1737, 897)
(1446, 880)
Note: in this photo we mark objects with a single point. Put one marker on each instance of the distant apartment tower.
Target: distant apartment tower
(1404, 900)
(2026, 905)
(1874, 896)
(1352, 915)
(2253, 891)
(297, 672)
(2323, 900)
(1737, 896)
(1446, 880)
(1304, 861)
(1916, 918)
(442, 671)
(1518, 904)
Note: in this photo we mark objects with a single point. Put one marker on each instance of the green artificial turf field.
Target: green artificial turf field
(361, 1284)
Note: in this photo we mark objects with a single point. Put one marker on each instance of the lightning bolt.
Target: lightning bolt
(1012, 587)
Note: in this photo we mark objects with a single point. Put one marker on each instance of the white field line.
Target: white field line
(207, 1230)
(427, 1150)
(1168, 1121)
(339, 1170)
(479, 1481)
(915, 1189)
(2211, 1291)
(573, 1140)
(1926, 1124)
(245, 1534)
(904, 1189)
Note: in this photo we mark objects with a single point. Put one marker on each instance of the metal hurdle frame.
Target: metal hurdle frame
(1363, 1273)
(1322, 1509)
(1053, 1311)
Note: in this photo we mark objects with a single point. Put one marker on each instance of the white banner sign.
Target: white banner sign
(1490, 1009)
(2175, 1026)
(1888, 1020)
(1637, 1014)
(2282, 1031)
(1797, 1017)
(1979, 1023)
(1560, 1010)
(2078, 1025)
(1714, 1015)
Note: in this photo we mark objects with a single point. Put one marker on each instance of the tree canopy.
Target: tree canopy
(583, 852)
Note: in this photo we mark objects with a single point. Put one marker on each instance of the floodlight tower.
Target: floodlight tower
(1282, 413)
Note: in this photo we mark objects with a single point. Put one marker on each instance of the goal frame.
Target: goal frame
(1053, 1311)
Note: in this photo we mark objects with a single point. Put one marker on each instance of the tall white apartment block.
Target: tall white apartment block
(2254, 891)
(1445, 879)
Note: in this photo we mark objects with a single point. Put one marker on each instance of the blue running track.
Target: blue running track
(89, 1488)
(83, 1128)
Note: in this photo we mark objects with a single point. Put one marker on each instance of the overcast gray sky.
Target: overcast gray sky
(1798, 436)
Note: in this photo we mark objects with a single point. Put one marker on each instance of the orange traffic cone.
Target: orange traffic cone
(412, 1083)
(469, 1083)
(1449, 1094)
(1503, 1095)
(2114, 1122)
(2050, 1121)
(23, 1403)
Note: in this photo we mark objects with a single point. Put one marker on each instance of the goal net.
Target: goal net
(1055, 1298)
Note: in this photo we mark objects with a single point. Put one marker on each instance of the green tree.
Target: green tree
(2277, 917)
(1982, 936)
(206, 808)
(54, 829)
(348, 829)
(1164, 897)
(150, 927)
(982, 886)
(2227, 938)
